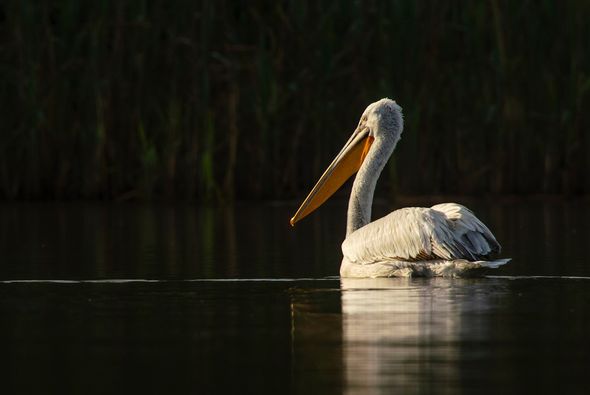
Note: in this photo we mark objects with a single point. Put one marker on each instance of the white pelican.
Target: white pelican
(444, 240)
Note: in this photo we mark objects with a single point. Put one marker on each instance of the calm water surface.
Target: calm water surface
(235, 301)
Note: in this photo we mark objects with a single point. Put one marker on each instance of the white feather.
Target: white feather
(445, 231)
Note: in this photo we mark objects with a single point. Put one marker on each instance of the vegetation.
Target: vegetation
(222, 99)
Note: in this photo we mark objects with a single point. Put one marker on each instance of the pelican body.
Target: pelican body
(443, 240)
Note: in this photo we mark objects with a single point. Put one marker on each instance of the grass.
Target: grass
(218, 100)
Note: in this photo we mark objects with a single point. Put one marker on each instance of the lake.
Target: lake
(162, 298)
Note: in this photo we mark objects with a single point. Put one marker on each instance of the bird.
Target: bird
(443, 240)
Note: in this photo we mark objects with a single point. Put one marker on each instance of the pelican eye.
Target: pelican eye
(362, 121)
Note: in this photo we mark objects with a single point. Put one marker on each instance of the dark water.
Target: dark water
(194, 321)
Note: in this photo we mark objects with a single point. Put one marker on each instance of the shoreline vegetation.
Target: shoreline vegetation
(218, 100)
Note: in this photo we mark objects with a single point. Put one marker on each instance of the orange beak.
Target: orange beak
(347, 162)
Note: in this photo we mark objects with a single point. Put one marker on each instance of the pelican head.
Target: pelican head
(383, 119)
(382, 124)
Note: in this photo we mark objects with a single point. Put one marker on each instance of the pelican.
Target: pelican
(443, 240)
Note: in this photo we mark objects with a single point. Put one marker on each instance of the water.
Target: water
(116, 298)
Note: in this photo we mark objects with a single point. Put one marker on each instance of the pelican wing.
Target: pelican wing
(469, 230)
(447, 231)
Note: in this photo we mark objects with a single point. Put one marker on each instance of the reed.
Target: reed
(215, 100)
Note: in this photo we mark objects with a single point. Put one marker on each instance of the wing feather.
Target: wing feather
(478, 239)
(445, 231)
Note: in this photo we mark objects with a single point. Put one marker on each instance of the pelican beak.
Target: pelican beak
(346, 163)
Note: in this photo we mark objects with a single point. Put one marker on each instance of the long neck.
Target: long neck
(363, 188)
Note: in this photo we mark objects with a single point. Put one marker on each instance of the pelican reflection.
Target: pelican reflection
(391, 333)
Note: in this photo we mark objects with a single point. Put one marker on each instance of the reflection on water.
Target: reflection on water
(147, 316)
(80, 241)
(409, 336)
(396, 330)
(406, 335)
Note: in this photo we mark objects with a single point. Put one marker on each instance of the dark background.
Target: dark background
(216, 100)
